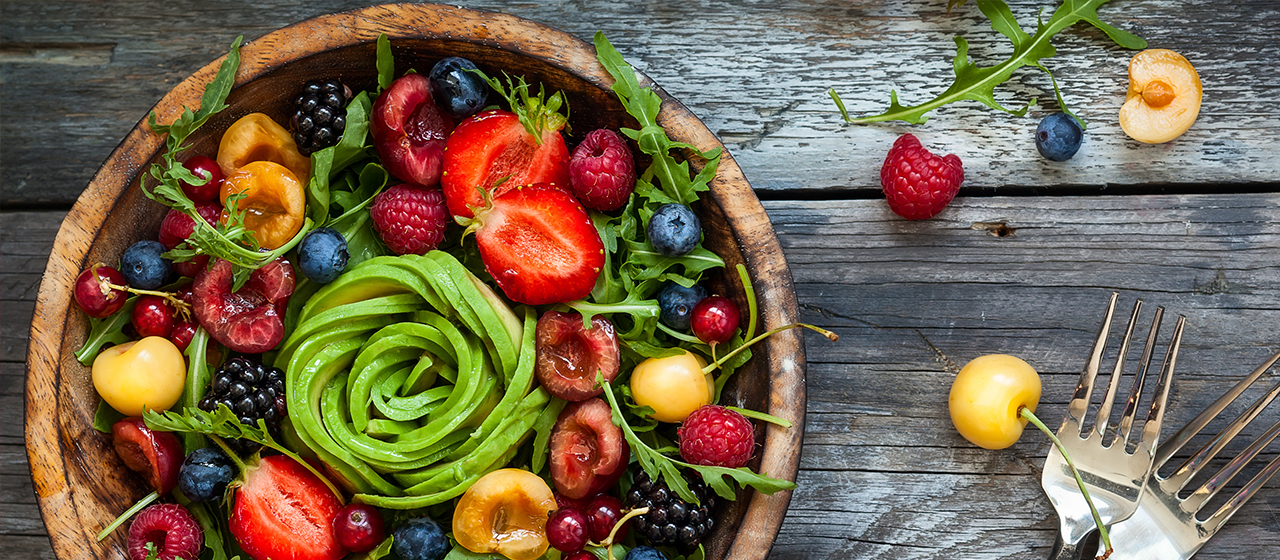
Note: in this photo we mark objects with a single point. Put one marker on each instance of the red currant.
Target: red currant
(359, 528)
(567, 530)
(92, 294)
(152, 316)
(202, 166)
(603, 512)
(182, 334)
(715, 319)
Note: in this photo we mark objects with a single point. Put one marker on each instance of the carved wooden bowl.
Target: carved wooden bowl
(82, 485)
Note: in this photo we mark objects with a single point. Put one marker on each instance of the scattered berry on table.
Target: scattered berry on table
(410, 219)
(1058, 137)
(716, 436)
(645, 553)
(671, 521)
(568, 530)
(676, 303)
(603, 512)
(917, 183)
(203, 166)
(715, 319)
(420, 538)
(602, 171)
(359, 528)
(205, 474)
(674, 230)
(252, 391)
(322, 255)
(454, 87)
(92, 294)
(143, 267)
(170, 528)
(152, 316)
(320, 115)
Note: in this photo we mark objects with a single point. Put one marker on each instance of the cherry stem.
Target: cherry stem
(1097, 519)
(608, 541)
(180, 306)
(717, 363)
(144, 502)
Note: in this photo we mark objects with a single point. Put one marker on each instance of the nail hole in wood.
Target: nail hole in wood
(998, 228)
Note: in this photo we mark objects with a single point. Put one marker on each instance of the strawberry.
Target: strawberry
(282, 511)
(498, 150)
(409, 219)
(538, 244)
(917, 183)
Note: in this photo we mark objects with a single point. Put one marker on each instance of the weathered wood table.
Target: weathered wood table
(1193, 225)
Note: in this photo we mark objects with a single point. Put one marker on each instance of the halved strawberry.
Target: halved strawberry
(517, 147)
(539, 245)
(284, 511)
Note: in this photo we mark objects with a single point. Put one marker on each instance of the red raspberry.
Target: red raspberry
(170, 527)
(409, 218)
(602, 172)
(716, 436)
(177, 226)
(917, 183)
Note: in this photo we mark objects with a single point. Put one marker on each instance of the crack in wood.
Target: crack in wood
(770, 127)
(998, 228)
(1220, 285)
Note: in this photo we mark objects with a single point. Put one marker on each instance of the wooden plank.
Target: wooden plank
(755, 72)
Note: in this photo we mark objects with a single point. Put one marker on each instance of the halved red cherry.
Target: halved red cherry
(250, 320)
(588, 453)
(409, 131)
(715, 319)
(94, 296)
(157, 456)
(569, 355)
(206, 167)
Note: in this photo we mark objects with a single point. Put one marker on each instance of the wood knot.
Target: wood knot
(998, 228)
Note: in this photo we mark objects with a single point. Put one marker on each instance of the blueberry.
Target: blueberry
(143, 267)
(322, 255)
(675, 304)
(461, 93)
(674, 230)
(1058, 137)
(205, 474)
(645, 553)
(420, 538)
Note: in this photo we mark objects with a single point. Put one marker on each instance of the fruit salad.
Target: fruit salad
(424, 320)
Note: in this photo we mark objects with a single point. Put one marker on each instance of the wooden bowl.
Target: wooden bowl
(81, 484)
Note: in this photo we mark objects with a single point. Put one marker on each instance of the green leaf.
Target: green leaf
(382, 551)
(975, 83)
(105, 417)
(386, 63)
(105, 331)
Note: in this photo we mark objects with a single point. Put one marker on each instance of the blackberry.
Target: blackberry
(320, 115)
(252, 391)
(671, 521)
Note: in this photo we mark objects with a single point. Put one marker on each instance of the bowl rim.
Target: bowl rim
(745, 217)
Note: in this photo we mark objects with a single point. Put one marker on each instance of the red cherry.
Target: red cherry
(152, 316)
(202, 166)
(603, 512)
(182, 334)
(359, 528)
(581, 555)
(714, 319)
(92, 294)
(567, 530)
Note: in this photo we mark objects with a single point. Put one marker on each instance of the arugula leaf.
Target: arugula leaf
(658, 465)
(978, 83)
(108, 330)
(386, 63)
(224, 424)
(105, 417)
(382, 551)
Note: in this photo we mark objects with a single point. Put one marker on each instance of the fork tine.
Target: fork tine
(1184, 434)
(1104, 413)
(1084, 388)
(1245, 493)
(1201, 458)
(1207, 491)
(1155, 416)
(1135, 393)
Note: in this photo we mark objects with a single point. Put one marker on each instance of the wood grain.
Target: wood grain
(756, 71)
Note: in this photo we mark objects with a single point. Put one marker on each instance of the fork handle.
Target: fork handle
(1063, 550)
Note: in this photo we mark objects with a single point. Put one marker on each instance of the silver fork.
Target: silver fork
(1168, 527)
(1115, 476)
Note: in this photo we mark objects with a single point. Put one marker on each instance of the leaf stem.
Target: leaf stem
(1097, 519)
(144, 502)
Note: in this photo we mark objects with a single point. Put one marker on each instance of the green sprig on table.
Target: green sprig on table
(977, 83)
